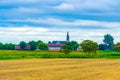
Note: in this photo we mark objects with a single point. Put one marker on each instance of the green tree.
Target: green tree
(102, 46)
(74, 45)
(42, 45)
(6, 46)
(22, 45)
(67, 49)
(117, 47)
(109, 40)
(33, 45)
(1, 46)
(11, 46)
(89, 46)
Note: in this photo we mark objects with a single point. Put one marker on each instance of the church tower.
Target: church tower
(67, 37)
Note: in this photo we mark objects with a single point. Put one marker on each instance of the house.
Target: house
(27, 47)
(57, 45)
(79, 48)
(17, 47)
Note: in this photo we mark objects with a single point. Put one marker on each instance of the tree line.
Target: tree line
(87, 46)
(7, 46)
(33, 45)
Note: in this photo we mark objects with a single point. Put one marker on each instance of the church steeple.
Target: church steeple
(67, 37)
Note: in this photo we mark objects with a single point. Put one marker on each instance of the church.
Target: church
(57, 45)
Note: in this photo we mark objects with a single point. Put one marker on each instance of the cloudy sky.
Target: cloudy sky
(49, 20)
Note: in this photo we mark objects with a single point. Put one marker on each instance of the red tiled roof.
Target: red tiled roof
(56, 45)
(27, 46)
(17, 47)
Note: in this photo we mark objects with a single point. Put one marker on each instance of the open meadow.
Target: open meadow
(60, 69)
(16, 54)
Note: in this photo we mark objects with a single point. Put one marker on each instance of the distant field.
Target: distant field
(60, 69)
(9, 54)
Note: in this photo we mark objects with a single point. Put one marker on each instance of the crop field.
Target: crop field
(48, 65)
(60, 69)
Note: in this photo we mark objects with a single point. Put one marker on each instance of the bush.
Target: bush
(117, 47)
(102, 46)
(66, 49)
(89, 46)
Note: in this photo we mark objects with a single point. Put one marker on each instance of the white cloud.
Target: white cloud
(94, 4)
(65, 6)
(19, 1)
(15, 34)
(74, 23)
(22, 29)
(57, 33)
(58, 27)
(26, 10)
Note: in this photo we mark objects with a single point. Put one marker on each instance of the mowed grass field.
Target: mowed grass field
(60, 69)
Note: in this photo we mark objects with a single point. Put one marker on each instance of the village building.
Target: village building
(17, 48)
(57, 45)
(27, 47)
(79, 48)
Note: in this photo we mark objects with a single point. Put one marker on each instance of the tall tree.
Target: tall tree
(22, 45)
(74, 45)
(109, 40)
(67, 49)
(11, 46)
(1, 46)
(33, 45)
(117, 47)
(42, 45)
(6, 46)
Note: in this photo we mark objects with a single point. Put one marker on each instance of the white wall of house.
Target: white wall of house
(54, 48)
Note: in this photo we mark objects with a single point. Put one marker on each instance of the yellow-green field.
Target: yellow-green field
(60, 69)
(16, 54)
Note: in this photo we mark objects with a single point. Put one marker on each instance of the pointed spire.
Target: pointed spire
(67, 37)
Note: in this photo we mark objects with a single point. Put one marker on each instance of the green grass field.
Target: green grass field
(9, 54)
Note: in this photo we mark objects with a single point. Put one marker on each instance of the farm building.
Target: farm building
(27, 47)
